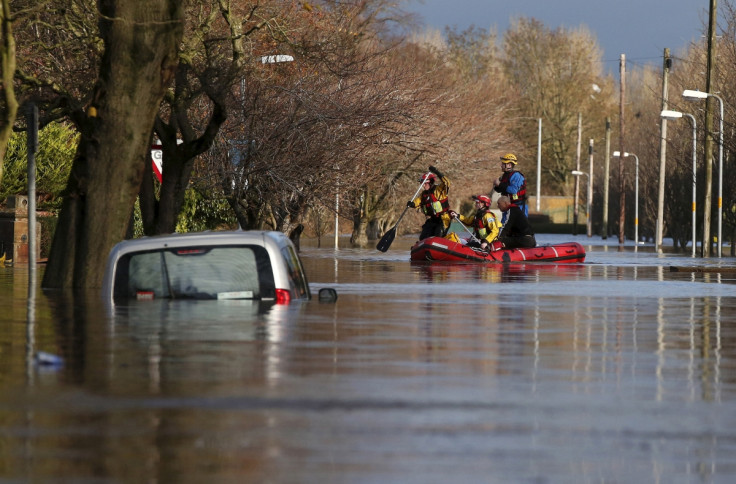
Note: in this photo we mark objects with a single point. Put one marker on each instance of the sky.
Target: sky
(640, 29)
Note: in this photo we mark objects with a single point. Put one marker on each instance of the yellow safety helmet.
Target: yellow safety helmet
(509, 158)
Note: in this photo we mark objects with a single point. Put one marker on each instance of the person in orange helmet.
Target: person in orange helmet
(435, 204)
(483, 222)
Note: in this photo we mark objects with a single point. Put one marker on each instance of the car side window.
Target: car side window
(297, 277)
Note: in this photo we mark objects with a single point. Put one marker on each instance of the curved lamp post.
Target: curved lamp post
(636, 194)
(697, 95)
(672, 115)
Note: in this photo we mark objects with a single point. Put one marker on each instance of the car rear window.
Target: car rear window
(201, 272)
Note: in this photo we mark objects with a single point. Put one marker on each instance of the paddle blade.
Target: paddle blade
(386, 240)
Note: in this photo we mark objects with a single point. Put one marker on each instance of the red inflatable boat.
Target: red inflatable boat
(445, 250)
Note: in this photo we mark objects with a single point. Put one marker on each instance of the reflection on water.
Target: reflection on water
(616, 370)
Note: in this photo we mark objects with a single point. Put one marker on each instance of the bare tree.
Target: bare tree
(58, 56)
(213, 60)
(459, 116)
(558, 74)
(725, 73)
(309, 128)
(644, 88)
(687, 73)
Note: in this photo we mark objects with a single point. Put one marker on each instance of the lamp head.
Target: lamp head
(667, 114)
(693, 95)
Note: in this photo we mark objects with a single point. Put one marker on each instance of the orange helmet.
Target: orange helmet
(509, 158)
(430, 177)
(482, 199)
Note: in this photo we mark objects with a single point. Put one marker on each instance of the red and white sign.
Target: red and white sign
(157, 155)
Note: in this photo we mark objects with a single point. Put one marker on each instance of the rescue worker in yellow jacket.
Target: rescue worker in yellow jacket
(483, 222)
(434, 203)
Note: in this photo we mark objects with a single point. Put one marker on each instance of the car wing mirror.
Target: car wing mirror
(327, 295)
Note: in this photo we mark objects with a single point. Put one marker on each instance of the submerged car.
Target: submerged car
(251, 265)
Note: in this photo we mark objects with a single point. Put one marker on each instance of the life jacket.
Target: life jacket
(481, 230)
(520, 196)
(453, 237)
(432, 206)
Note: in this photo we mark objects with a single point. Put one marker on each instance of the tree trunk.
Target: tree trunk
(141, 40)
(7, 69)
(358, 237)
(161, 217)
(372, 230)
(177, 170)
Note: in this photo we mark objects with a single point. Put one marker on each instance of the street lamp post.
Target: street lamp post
(588, 203)
(590, 188)
(539, 160)
(539, 163)
(697, 95)
(337, 215)
(636, 194)
(676, 115)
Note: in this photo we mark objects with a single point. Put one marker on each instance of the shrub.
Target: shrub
(57, 144)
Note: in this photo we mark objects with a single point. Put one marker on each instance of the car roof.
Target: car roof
(263, 238)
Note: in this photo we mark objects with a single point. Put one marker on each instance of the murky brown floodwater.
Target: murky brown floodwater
(616, 370)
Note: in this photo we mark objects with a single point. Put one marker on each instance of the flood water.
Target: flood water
(617, 370)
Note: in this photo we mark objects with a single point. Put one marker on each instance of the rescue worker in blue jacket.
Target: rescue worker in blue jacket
(516, 232)
(512, 183)
(435, 204)
(483, 222)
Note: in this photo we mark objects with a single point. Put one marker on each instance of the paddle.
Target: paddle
(466, 229)
(490, 248)
(389, 236)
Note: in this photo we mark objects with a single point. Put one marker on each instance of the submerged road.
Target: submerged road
(619, 369)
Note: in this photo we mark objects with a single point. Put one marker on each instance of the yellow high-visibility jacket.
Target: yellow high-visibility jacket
(484, 224)
(440, 193)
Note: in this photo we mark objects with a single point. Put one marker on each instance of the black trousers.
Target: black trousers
(520, 242)
(433, 227)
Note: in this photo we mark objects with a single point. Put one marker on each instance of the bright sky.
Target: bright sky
(640, 29)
